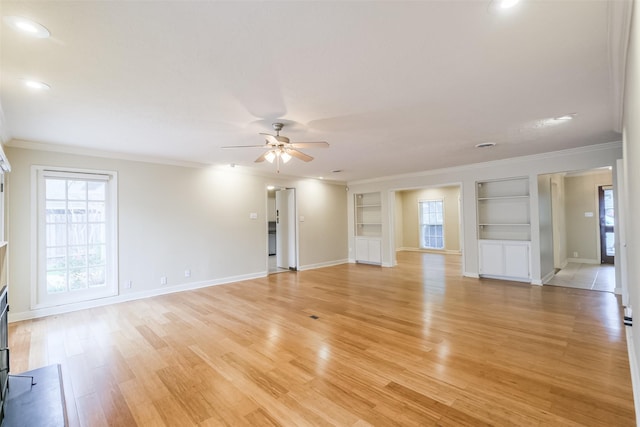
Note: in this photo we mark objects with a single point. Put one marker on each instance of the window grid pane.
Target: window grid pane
(75, 238)
(432, 224)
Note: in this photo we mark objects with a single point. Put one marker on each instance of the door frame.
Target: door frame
(293, 227)
(604, 229)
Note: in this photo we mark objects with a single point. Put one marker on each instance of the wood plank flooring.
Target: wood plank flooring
(415, 344)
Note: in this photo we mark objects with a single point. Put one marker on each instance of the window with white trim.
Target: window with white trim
(77, 236)
(431, 217)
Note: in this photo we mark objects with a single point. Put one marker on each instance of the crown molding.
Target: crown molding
(618, 31)
(496, 163)
(80, 151)
(69, 149)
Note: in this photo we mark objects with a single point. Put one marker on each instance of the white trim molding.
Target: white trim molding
(323, 264)
(633, 367)
(60, 309)
(618, 31)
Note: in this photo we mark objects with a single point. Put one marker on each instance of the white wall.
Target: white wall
(601, 155)
(631, 142)
(399, 217)
(172, 218)
(545, 227)
(559, 221)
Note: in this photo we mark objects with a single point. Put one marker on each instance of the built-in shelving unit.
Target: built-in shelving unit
(504, 228)
(503, 209)
(368, 227)
(368, 215)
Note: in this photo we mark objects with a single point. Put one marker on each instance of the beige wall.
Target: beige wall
(410, 222)
(581, 195)
(172, 218)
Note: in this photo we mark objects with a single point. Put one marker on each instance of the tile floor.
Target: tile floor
(596, 277)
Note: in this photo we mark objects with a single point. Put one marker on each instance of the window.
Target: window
(431, 224)
(76, 232)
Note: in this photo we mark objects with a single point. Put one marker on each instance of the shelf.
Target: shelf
(368, 215)
(504, 210)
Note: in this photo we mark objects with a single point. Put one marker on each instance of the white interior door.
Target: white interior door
(286, 253)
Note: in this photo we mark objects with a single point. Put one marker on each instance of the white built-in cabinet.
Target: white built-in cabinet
(504, 229)
(368, 227)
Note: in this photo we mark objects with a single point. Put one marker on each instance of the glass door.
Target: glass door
(607, 223)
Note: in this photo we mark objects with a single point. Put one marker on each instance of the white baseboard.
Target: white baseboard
(633, 366)
(471, 275)
(511, 279)
(582, 261)
(323, 264)
(130, 296)
(546, 278)
(617, 291)
(430, 251)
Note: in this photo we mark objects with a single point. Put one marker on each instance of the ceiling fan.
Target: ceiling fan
(280, 148)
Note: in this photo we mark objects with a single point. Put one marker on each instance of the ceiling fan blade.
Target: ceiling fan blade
(275, 139)
(299, 154)
(262, 157)
(246, 146)
(271, 139)
(319, 144)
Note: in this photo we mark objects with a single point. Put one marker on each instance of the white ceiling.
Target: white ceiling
(394, 87)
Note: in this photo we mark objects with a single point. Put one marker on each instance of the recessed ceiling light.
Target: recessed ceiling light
(486, 145)
(34, 84)
(321, 177)
(27, 26)
(501, 6)
(270, 187)
(565, 117)
(506, 4)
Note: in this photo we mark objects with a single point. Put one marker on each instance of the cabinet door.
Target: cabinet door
(362, 250)
(516, 256)
(375, 251)
(491, 258)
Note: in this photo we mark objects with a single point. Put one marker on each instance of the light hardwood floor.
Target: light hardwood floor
(412, 345)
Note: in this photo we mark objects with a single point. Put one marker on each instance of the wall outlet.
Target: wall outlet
(127, 284)
(163, 280)
(187, 273)
(575, 254)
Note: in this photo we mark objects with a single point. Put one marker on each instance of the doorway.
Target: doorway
(282, 252)
(428, 220)
(607, 223)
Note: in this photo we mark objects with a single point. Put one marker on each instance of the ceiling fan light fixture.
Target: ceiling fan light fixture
(270, 156)
(285, 156)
